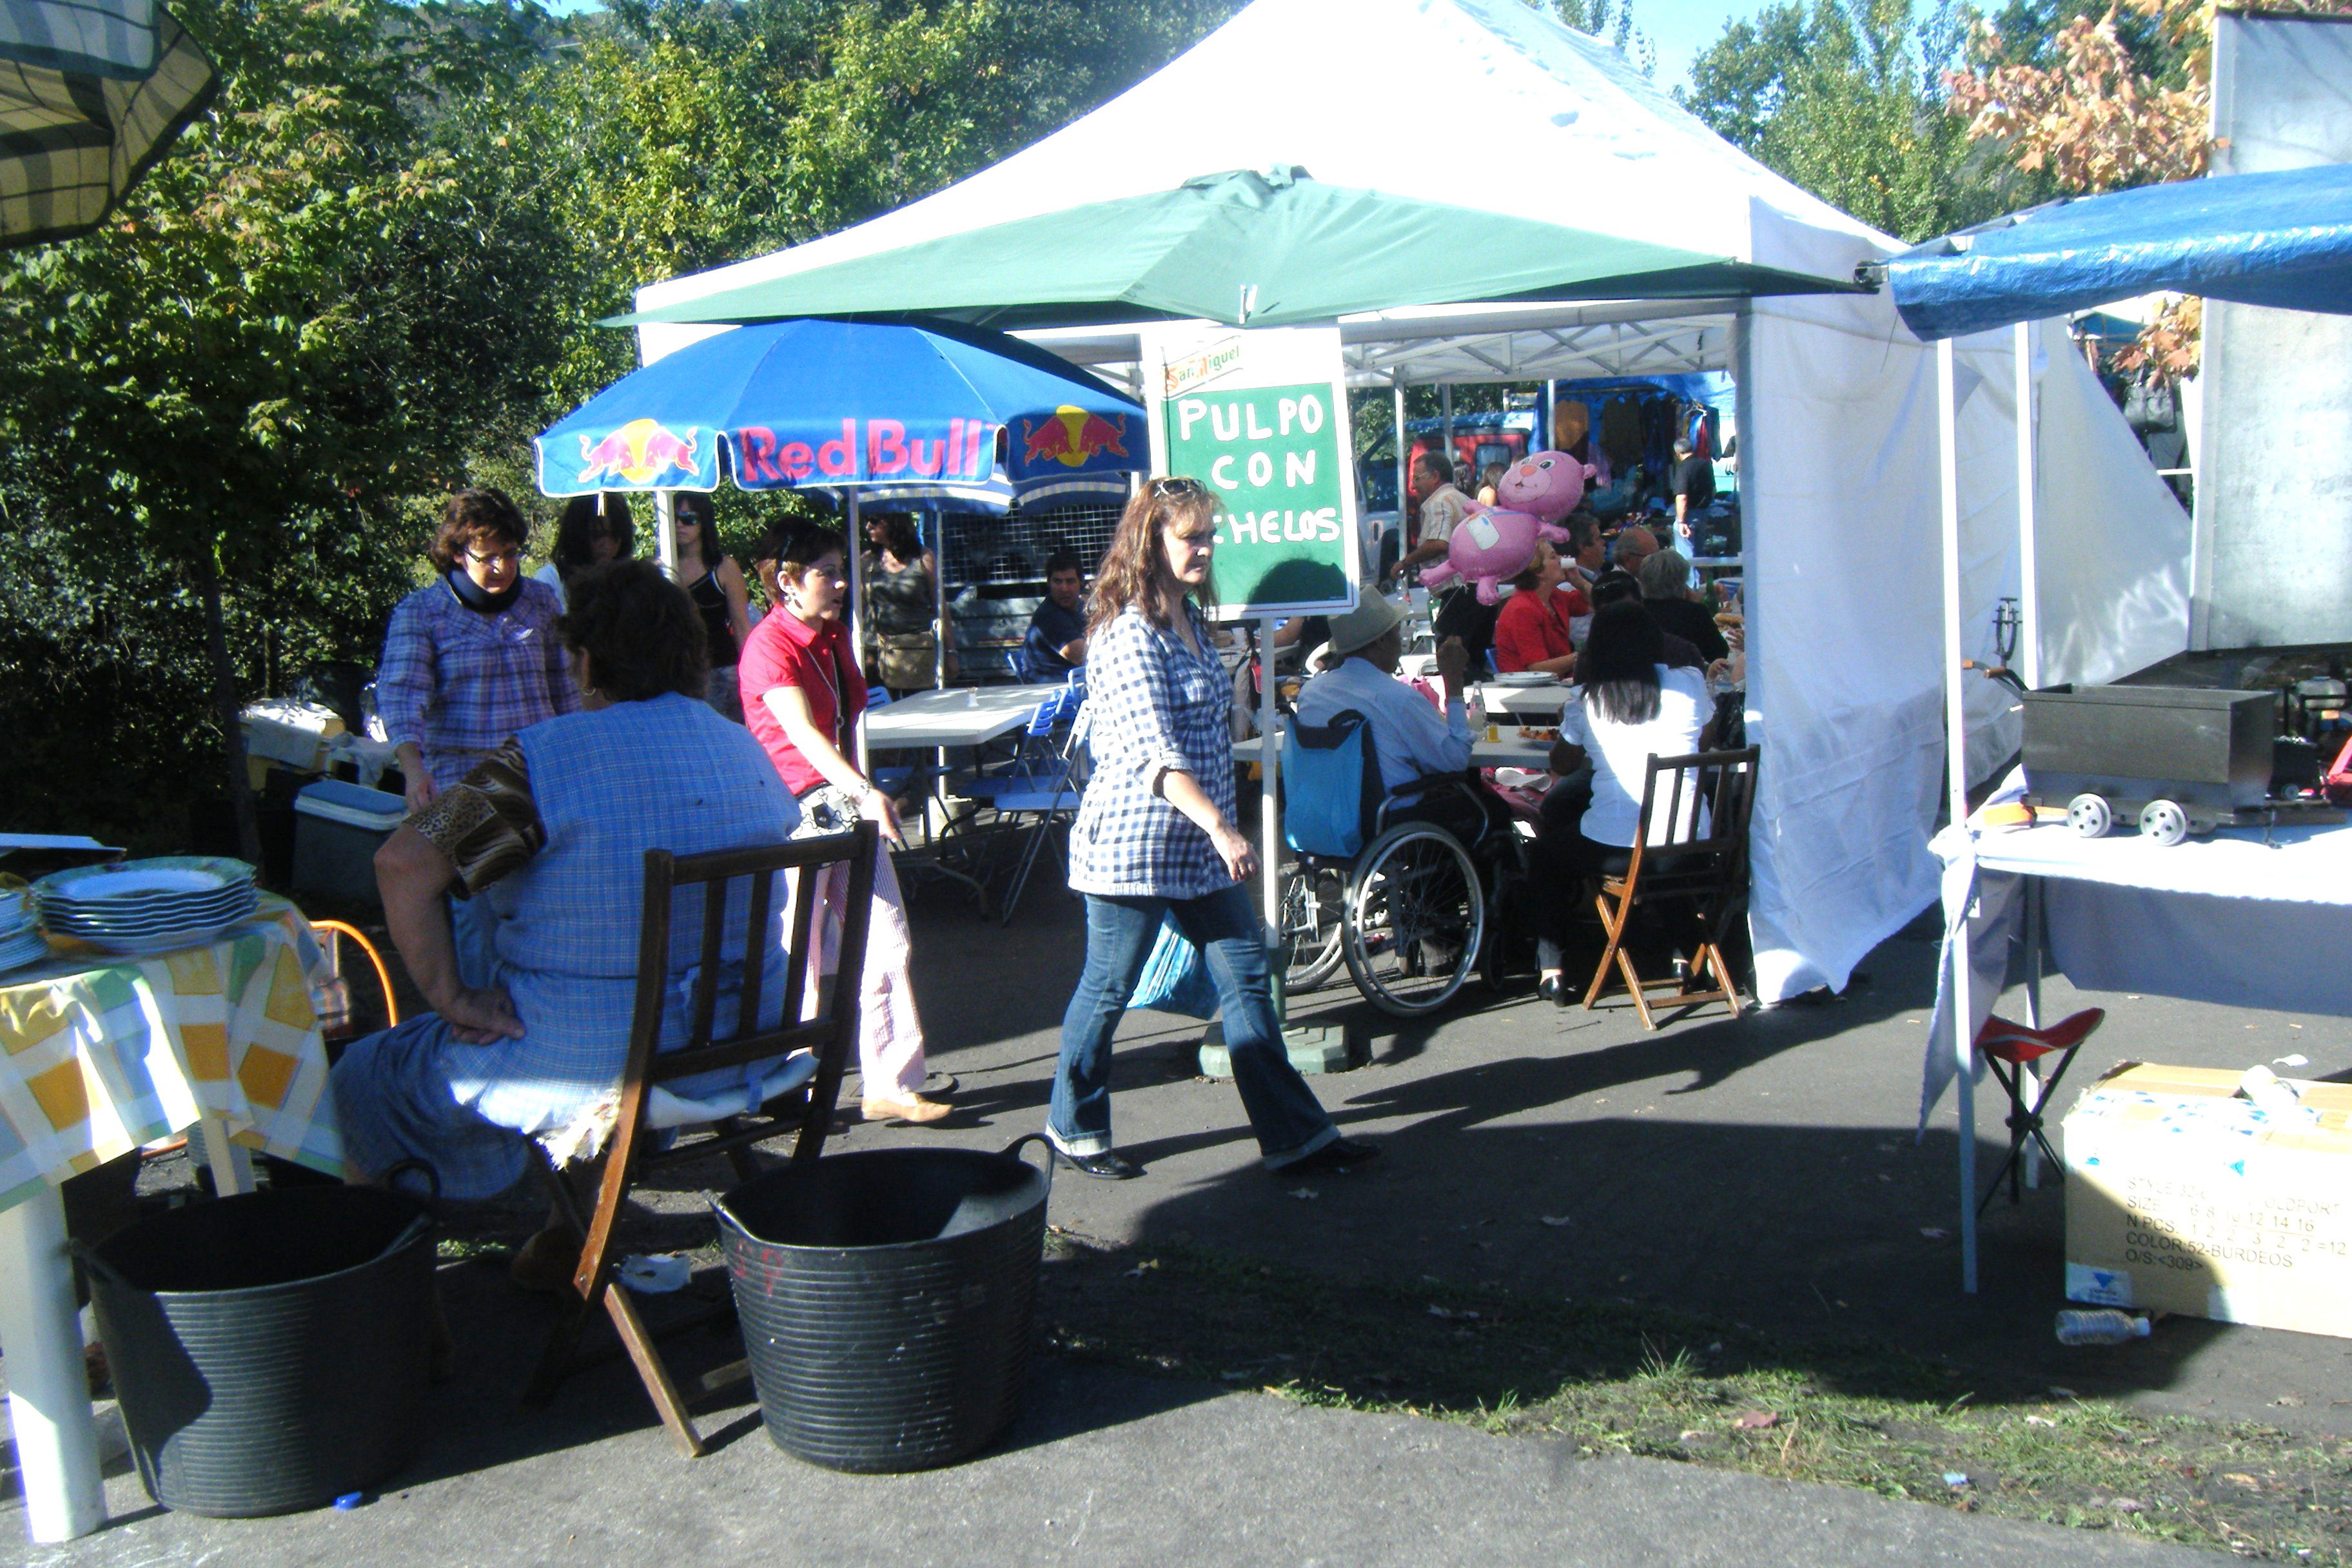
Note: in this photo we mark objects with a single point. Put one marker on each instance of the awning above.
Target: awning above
(2281, 239)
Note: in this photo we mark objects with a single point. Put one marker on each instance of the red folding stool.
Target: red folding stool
(2008, 1048)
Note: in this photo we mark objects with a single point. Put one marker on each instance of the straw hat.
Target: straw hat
(1371, 616)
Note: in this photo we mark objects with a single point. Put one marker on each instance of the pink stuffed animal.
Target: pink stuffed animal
(1490, 548)
(1546, 485)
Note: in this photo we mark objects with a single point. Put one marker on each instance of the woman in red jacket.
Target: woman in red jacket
(1531, 633)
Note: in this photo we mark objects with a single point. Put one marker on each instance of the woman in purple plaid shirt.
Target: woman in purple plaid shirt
(468, 663)
(1155, 837)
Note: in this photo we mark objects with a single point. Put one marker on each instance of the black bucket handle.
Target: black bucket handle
(1012, 1151)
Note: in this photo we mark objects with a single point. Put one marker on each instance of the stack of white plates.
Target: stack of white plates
(20, 933)
(146, 906)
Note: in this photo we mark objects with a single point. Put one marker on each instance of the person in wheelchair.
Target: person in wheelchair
(1417, 748)
(1629, 705)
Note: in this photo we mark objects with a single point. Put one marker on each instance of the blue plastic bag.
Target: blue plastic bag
(1175, 977)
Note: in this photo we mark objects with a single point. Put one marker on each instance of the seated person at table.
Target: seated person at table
(1408, 737)
(1056, 641)
(550, 831)
(1622, 588)
(1628, 707)
(1532, 632)
(1665, 580)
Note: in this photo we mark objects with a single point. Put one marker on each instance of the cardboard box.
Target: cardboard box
(2183, 1198)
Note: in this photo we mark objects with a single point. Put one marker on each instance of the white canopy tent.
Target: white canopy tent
(1836, 411)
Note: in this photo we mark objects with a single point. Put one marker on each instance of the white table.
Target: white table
(2227, 918)
(1529, 704)
(958, 716)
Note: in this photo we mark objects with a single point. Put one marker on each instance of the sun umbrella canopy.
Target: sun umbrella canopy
(2282, 239)
(92, 93)
(912, 411)
(1250, 249)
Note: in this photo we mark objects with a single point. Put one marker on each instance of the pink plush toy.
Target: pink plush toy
(1490, 548)
(1547, 485)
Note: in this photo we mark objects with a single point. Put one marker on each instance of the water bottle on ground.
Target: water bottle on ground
(2099, 1326)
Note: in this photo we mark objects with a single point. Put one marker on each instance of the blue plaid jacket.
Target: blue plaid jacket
(1154, 706)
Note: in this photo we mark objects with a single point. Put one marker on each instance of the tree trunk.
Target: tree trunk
(228, 710)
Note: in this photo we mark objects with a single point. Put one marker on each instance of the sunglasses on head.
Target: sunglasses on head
(1178, 486)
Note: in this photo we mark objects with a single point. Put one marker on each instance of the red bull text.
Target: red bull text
(964, 453)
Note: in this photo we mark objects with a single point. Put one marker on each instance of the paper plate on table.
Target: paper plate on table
(161, 941)
(135, 930)
(1527, 677)
(177, 912)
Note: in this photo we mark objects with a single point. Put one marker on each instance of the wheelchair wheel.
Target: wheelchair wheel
(1415, 919)
(1313, 898)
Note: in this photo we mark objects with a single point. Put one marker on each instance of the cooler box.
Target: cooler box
(338, 828)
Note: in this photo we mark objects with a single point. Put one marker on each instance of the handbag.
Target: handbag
(1175, 977)
(906, 659)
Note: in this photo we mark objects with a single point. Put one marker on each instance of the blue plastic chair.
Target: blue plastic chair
(1050, 795)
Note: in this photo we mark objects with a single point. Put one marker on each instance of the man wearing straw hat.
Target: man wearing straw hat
(1409, 737)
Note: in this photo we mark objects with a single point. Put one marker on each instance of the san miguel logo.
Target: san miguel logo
(1071, 436)
(1200, 367)
(963, 453)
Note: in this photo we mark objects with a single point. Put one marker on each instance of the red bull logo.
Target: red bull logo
(1071, 436)
(636, 454)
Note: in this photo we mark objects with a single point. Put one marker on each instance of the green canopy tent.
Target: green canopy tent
(1271, 249)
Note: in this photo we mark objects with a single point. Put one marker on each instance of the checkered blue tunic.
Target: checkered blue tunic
(458, 682)
(1155, 705)
(668, 772)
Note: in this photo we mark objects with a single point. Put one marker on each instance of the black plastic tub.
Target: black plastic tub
(888, 1300)
(271, 1352)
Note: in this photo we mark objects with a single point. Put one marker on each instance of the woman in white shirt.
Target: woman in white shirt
(1628, 707)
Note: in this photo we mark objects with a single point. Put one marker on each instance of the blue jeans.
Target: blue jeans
(1284, 1112)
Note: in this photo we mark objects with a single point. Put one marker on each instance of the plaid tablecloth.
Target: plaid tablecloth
(99, 1055)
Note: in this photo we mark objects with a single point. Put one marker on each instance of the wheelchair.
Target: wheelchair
(1404, 888)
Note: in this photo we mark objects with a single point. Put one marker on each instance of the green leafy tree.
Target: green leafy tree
(1846, 99)
(234, 393)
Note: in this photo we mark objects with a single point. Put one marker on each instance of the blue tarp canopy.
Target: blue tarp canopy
(2282, 239)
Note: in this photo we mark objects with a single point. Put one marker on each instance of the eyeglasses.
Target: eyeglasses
(1178, 486)
(509, 556)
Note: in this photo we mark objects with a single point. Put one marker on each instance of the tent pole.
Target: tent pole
(1543, 423)
(1406, 541)
(1445, 407)
(2029, 432)
(665, 533)
(857, 627)
(1955, 743)
(1269, 813)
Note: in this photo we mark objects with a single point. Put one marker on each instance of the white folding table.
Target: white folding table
(957, 716)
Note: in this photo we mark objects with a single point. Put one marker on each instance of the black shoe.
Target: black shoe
(1110, 1165)
(1336, 1156)
(1556, 990)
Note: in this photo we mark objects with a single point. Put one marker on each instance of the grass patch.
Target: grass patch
(1612, 1376)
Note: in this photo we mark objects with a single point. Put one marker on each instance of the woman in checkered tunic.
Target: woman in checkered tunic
(1155, 837)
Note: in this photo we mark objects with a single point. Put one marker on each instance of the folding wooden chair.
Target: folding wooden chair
(1702, 861)
(795, 1097)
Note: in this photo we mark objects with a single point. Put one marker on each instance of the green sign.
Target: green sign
(1272, 446)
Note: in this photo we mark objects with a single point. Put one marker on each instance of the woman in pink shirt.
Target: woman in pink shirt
(803, 696)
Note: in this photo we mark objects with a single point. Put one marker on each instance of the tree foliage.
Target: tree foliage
(371, 272)
(1845, 98)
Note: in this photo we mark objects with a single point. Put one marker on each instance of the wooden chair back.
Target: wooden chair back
(1704, 800)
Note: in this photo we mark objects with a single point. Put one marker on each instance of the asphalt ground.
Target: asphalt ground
(1764, 1171)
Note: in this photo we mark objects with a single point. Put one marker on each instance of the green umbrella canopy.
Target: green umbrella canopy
(1248, 249)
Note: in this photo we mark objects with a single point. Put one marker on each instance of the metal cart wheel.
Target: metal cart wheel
(1415, 919)
(2164, 822)
(2090, 815)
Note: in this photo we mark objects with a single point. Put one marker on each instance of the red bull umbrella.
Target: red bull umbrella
(904, 413)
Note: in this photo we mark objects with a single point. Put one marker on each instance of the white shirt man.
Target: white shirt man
(1441, 513)
(1409, 737)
